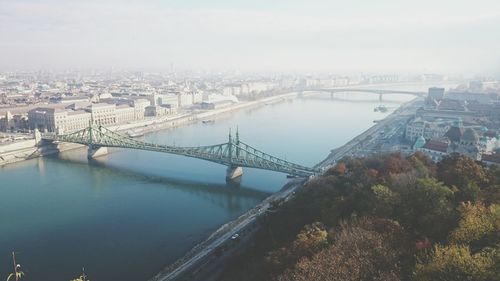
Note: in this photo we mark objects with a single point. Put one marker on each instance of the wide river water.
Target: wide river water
(128, 215)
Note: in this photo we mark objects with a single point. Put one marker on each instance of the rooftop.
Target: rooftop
(436, 146)
(493, 158)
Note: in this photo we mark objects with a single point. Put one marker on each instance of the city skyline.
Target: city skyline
(318, 36)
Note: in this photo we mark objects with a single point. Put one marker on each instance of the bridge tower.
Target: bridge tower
(94, 151)
(233, 172)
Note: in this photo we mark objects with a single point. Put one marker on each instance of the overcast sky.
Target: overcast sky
(392, 36)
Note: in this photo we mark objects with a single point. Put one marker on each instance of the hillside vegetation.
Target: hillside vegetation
(383, 218)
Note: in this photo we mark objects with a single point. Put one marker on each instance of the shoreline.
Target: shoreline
(199, 256)
(219, 235)
(32, 151)
(27, 150)
(341, 151)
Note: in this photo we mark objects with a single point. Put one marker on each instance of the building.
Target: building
(451, 105)
(124, 113)
(436, 93)
(467, 96)
(232, 90)
(72, 99)
(419, 143)
(476, 86)
(428, 129)
(140, 108)
(159, 110)
(58, 120)
(185, 99)
(74, 121)
(474, 143)
(47, 119)
(13, 122)
(491, 159)
(164, 99)
(197, 97)
(468, 144)
(103, 113)
(216, 104)
(435, 149)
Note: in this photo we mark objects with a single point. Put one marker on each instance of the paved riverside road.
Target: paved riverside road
(203, 253)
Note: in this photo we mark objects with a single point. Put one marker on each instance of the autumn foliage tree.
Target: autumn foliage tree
(479, 225)
(362, 250)
(457, 262)
(385, 217)
(458, 170)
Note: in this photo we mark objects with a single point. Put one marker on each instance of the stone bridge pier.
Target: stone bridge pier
(94, 152)
(234, 173)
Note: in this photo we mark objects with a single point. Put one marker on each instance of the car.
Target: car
(235, 236)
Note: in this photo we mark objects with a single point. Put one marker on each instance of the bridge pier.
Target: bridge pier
(233, 174)
(93, 152)
(380, 97)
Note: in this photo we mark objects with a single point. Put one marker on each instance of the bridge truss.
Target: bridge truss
(234, 153)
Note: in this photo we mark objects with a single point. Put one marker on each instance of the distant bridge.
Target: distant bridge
(234, 154)
(379, 92)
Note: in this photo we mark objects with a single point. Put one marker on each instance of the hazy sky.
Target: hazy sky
(307, 35)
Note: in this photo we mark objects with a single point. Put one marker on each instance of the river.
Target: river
(129, 214)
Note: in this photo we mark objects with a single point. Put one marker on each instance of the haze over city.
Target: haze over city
(320, 36)
(257, 140)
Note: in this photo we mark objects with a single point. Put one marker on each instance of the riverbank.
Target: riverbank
(163, 123)
(201, 260)
(151, 208)
(393, 120)
(28, 149)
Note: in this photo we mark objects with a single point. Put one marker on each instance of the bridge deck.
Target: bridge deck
(234, 153)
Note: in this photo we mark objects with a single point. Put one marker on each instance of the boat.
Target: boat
(135, 134)
(380, 108)
(208, 121)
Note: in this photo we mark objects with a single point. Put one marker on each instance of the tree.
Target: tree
(460, 171)
(479, 225)
(456, 262)
(385, 200)
(427, 208)
(311, 239)
(308, 241)
(410, 210)
(423, 164)
(359, 252)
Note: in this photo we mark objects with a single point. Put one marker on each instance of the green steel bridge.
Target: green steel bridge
(234, 154)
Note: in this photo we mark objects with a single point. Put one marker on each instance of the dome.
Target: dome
(454, 134)
(470, 136)
(419, 143)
